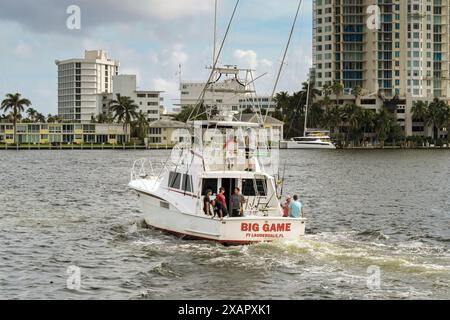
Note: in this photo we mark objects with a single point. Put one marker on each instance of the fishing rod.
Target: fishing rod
(282, 180)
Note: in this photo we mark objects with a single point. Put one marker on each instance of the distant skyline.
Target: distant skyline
(150, 38)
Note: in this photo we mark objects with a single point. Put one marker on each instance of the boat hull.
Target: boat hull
(297, 145)
(233, 231)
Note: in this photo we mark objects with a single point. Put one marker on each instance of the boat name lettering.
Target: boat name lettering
(274, 227)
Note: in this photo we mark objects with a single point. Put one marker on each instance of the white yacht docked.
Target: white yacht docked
(312, 140)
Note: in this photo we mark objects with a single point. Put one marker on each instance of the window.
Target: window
(187, 183)
(209, 184)
(248, 187)
(155, 131)
(175, 180)
(155, 140)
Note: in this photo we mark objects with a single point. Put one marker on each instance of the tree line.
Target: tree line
(350, 124)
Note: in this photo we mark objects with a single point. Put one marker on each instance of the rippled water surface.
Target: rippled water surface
(374, 210)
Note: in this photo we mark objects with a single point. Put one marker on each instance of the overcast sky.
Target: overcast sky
(150, 38)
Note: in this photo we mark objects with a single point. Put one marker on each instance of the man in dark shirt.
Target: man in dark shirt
(218, 209)
(236, 204)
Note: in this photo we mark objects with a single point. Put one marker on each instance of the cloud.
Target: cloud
(50, 15)
(23, 50)
(249, 59)
(150, 38)
(178, 55)
(170, 88)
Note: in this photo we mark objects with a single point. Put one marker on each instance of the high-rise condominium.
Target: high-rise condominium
(406, 54)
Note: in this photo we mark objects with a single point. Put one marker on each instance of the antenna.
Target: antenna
(305, 129)
(202, 95)
(179, 74)
(215, 31)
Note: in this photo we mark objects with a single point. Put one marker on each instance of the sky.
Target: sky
(150, 38)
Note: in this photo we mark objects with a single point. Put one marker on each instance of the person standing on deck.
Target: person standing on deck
(207, 208)
(296, 209)
(223, 200)
(236, 203)
(286, 207)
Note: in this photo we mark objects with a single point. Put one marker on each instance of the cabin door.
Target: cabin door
(228, 185)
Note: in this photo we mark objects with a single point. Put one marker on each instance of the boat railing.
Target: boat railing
(142, 169)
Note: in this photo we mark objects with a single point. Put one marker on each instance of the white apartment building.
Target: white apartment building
(79, 83)
(149, 102)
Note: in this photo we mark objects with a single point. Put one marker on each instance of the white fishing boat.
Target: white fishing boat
(219, 153)
(227, 154)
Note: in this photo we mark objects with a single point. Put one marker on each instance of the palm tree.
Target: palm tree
(124, 110)
(420, 111)
(282, 101)
(332, 118)
(53, 119)
(315, 115)
(337, 88)
(350, 114)
(141, 125)
(313, 92)
(436, 117)
(40, 117)
(326, 90)
(16, 104)
(383, 123)
(367, 121)
(32, 114)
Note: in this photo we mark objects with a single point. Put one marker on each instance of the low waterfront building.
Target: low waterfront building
(166, 132)
(64, 133)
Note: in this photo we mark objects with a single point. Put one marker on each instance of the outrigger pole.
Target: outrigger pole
(284, 58)
(202, 95)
